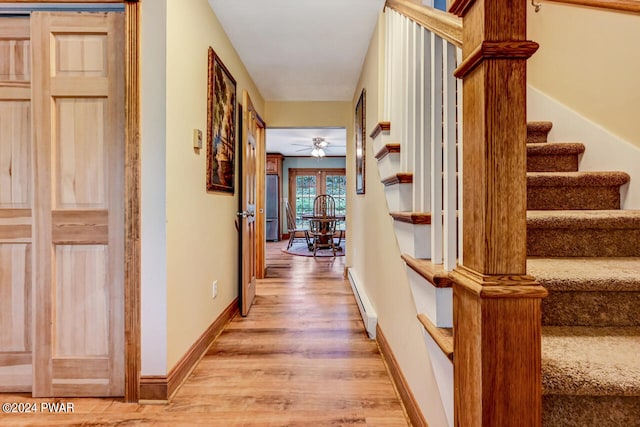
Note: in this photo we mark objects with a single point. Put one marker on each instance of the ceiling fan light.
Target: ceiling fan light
(316, 153)
(321, 152)
(322, 144)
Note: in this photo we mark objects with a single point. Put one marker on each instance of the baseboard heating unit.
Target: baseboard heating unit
(369, 316)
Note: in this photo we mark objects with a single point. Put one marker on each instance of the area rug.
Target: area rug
(302, 250)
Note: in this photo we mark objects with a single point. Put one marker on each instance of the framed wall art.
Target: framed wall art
(221, 126)
(361, 139)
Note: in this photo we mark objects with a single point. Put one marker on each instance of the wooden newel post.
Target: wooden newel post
(497, 317)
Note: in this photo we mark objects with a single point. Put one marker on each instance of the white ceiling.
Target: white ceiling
(298, 141)
(301, 50)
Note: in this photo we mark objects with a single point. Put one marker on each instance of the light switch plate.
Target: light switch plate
(197, 138)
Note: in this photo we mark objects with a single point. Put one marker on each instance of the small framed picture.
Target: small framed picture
(361, 139)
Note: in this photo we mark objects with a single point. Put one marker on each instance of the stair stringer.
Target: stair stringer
(414, 239)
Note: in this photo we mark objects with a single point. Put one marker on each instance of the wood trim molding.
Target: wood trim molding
(406, 395)
(433, 273)
(412, 217)
(496, 50)
(460, 7)
(631, 6)
(388, 149)
(485, 286)
(441, 23)
(399, 178)
(162, 388)
(380, 127)
(132, 203)
(443, 337)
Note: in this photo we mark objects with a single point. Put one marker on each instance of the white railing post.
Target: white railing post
(396, 78)
(460, 147)
(450, 177)
(418, 117)
(405, 163)
(436, 149)
(409, 100)
(386, 111)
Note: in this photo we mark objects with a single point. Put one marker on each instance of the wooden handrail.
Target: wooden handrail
(446, 25)
(631, 6)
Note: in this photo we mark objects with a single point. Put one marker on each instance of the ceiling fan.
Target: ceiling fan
(319, 147)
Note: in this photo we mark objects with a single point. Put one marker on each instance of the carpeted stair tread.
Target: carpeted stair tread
(554, 148)
(586, 274)
(588, 361)
(537, 131)
(577, 179)
(581, 219)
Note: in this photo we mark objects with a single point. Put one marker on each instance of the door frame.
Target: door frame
(132, 189)
(294, 172)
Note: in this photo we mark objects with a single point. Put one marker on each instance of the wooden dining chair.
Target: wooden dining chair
(294, 231)
(322, 226)
(324, 205)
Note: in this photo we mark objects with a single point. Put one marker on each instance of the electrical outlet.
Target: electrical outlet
(214, 289)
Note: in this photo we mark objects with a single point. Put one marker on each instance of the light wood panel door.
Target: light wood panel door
(78, 88)
(15, 206)
(250, 135)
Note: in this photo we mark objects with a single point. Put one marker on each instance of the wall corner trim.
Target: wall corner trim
(160, 389)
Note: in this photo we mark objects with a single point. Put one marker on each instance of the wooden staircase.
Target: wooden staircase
(585, 251)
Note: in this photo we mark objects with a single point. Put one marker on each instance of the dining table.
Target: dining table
(327, 218)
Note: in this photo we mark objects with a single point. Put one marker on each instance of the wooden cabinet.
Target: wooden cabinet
(274, 164)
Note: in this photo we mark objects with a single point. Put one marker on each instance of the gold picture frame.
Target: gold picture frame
(221, 126)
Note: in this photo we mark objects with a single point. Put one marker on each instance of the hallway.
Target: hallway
(301, 358)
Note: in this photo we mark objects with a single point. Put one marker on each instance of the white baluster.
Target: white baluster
(449, 121)
(460, 148)
(424, 134)
(387, 67)
(436, 149)
(404, 87)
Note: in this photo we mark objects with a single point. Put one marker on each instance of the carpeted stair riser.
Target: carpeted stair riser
(583, 242)
(552, 163)
(553, 156)
(598, 308)
(583, 233)
(567, 198)
(590, 411)
(574, 190)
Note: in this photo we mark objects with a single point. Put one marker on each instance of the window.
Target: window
(306, 184)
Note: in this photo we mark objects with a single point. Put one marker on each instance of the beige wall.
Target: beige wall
(376, 257)
(202, 240)
(589, 60)
(309, 114)
(153, 239)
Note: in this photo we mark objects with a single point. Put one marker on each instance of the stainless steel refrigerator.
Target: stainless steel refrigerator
(273, 201)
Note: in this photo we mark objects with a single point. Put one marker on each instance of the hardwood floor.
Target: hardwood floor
(301, 358)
